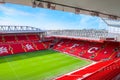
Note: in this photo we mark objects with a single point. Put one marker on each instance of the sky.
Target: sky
(11, 14)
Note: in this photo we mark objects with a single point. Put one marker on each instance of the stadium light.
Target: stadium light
(94, 14)
(48, 5)
(2, 1)
(40, 5)
(53, 7)
(34, 4)
(77, 11)
(112, 17)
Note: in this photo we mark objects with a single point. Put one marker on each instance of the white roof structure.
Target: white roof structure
(5, 29)
(102, 8)
(112, 23)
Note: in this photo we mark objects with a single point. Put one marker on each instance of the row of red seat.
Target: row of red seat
(90, 50)
(14, 48)
(14, 38)
(107, 70)
(107, 73)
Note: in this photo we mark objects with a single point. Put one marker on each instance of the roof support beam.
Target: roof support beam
(91, 12)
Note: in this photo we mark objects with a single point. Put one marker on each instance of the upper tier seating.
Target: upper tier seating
(21, 38)
(17, 38)
(9, 38)
(1, 39)
(33, 37)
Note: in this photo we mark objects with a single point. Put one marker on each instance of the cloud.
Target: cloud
(91, 22)
(6, 21)
(85, 21)
(102, 24)
(46, 19)
(12, 11)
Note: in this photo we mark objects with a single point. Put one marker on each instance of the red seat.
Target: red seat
(1, 39)
(33, 37)
(9, 38)
(17, 48)
(21, 37)
(98, 71)
(40, 45)
(89, 50)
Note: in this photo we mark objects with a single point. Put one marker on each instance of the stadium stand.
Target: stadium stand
(46, 44)
(1, 39)
(105, 53)
(95, 47)
(33, 37)
(9, 38)
(90, 50)
(39, 46)
(28, 46)
(5, 49)
(20, 41)
(19, 48)
(106, 70)
(21, 37)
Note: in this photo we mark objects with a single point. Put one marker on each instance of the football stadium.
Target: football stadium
(32, 53)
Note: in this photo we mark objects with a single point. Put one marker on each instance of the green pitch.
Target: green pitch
(40, 65)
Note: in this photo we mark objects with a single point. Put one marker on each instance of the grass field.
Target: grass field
(40, 65)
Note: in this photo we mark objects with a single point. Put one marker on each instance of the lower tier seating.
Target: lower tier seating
(5, 49)
(90, 50)
(20, 47)
(17, 48)
(28, 47)
(40, 46)
(106, 70)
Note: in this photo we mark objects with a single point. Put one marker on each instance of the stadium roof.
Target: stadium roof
(112, 23)
(6, 29)
(102, 8)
